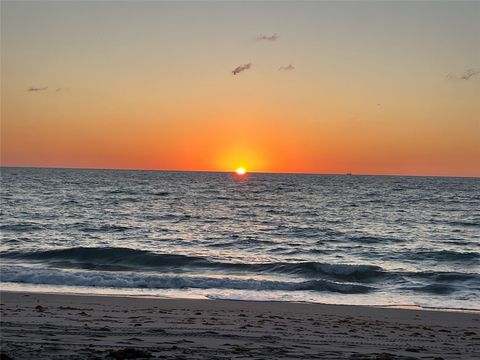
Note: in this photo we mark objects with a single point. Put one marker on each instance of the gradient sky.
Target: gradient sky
(377, 87)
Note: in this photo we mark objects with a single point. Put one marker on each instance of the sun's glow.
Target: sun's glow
(241, 171)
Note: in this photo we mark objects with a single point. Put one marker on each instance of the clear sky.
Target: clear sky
(332, 87)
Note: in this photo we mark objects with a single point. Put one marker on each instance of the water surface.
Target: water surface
(322, 238)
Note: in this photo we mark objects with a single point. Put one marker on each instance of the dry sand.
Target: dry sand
(53, 326)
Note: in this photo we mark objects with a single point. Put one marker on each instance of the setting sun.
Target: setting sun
(274, 152)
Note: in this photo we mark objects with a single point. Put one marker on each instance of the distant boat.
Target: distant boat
(348, 174)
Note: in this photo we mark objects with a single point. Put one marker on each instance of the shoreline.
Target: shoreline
(42, 326)
(159, 297)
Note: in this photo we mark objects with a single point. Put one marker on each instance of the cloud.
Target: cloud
(37, 88)
(241, 68)
(467, 74)
(289, 67)
(273, 37)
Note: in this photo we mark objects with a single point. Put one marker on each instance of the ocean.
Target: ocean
(340, 239)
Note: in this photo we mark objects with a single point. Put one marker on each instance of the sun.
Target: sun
(241, 171)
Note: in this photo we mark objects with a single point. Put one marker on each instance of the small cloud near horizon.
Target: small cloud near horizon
(241, 68)
(273, 37)
(37, 88)
(289, 67)
(467, 74)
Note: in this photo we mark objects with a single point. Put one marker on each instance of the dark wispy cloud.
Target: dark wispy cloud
(273, 37)
(241, 68)
(469, 73)
(466, 75)
(289, 67)
(37, 88)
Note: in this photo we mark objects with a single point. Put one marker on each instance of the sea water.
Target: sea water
(343, 239)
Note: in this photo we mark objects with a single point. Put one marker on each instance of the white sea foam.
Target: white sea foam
(153, 281)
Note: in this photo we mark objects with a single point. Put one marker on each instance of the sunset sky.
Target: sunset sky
(332, 87)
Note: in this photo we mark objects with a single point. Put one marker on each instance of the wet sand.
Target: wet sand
(54, 326)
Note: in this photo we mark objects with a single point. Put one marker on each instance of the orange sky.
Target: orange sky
(367, 94)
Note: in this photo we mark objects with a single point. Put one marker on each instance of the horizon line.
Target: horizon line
(233, 171)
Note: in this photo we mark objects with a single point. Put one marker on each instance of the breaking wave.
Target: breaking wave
(153, 281)
(125, 258)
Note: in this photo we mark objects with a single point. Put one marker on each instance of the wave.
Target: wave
(317, 275)
(443, 255)
(91, 258)
(136, 193)
(437, 289)
(84, 227)
(365, 239)
(443, 276)
(121, 192)
(160, 193)
(136, 280)
(465, 223)
(105, 228)
(21, 227)
(241, 243)
(458, 223)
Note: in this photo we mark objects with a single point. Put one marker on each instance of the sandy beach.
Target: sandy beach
(54, 326)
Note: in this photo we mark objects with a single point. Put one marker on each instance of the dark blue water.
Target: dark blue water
(324, 238)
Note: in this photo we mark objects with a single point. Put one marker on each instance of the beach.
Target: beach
(240, 180)
(62, 326)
